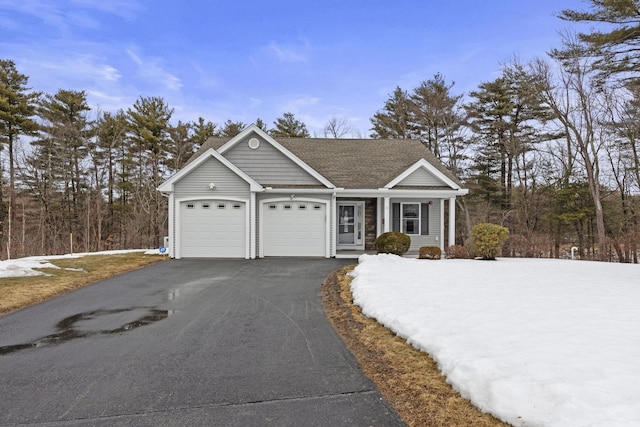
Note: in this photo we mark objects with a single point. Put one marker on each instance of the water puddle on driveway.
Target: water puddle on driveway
(93, 323)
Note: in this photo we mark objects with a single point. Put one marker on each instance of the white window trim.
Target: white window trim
(418, 218)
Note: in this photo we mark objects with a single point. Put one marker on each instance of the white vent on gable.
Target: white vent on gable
(254, 143)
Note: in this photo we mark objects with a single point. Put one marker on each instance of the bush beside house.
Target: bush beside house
(393, 242)
(488, 240)
(429, 252)
(457, 252)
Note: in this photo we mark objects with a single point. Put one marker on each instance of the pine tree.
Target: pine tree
(288, 126)
(230, 129)
(111, 139)
(201, 130)
(148, 129)
(616, 50)
(148, 121)
(394, 121)
(181, 146)
(262, 125)
(58, 158)
(17, 109)
(489, 118)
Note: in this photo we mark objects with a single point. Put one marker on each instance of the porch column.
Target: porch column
(333, 223)
(378, 216)
(452, 222)
(442, 225)
(387, 217)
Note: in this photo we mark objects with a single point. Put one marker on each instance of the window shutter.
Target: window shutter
(424, 219)
(395, 217)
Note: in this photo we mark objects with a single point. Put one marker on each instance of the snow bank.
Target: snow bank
(23, 267)
(534, 342)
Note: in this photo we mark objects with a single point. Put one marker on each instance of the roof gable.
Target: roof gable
(168, 185)
(268, 165)
(270, 162)
(422, 173)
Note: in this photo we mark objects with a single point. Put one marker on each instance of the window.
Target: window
(190, 206)
(205, 206)
(236, 206)
(302, 207)
(221, 206)
(273, 207)
(411, 218)
(317, 207)
(287, 207)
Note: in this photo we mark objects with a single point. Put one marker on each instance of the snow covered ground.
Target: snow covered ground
(535, 342)
(23, 267)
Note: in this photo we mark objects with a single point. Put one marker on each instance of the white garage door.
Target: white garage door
(294, 228)
(213, 228)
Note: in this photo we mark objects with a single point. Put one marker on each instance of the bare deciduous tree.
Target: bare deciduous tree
(337, 127)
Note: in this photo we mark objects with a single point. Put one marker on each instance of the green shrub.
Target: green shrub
(430, 252)
(488, 239)
(393, 242)
(457, 252)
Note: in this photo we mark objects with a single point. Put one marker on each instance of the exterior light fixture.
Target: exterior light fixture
(212, 186)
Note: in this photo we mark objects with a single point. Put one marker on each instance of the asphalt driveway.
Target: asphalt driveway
(187, 342)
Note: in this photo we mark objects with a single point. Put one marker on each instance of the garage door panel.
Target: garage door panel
(290, 230)
(213, 228)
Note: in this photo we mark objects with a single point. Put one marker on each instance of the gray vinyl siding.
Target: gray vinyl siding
(196, 183)
(421, 177)
(267, 165)
(433, 238)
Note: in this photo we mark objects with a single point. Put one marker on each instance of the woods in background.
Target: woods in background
(549, 149)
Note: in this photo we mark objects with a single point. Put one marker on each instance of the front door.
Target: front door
(350, 227)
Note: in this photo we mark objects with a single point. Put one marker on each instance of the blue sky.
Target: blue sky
(243, 60)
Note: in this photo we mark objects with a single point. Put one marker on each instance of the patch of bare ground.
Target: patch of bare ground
(73, 273)
(408, 378)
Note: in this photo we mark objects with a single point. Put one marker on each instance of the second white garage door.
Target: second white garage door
(295, 228)
(213, 228)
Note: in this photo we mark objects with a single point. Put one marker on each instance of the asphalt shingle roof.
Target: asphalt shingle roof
(353, 163)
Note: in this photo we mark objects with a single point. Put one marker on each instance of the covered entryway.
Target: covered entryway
(350, 227)
(213, 229)
(294, 228)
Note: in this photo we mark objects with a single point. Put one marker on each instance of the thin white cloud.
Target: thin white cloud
(287, 53)
(123, 8)
(79, 68)
(298, 102)
(48, 12)
(8, 24)
(79, 13)
(109, 73)
(207, 78)
(150, 69)
(254, 102)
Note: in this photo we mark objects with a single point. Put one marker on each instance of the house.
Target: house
(254, 196)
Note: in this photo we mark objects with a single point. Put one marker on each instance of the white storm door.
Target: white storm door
(350, 225)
